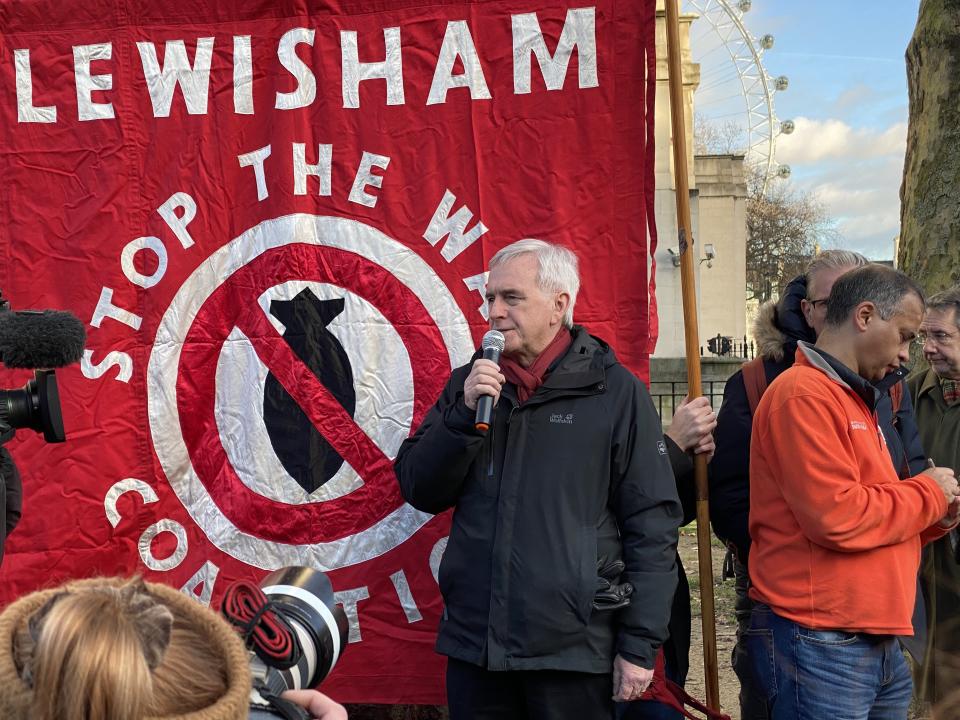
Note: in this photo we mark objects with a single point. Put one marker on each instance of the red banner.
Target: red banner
(274, 219)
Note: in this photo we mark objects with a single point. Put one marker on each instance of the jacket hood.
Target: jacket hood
(779, 326)
(16, 696)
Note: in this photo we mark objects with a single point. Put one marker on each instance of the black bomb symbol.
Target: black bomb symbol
(302, 450)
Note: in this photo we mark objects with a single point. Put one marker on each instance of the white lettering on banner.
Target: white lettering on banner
(114, 358)
(86, 83)
(106, 309)
(350, 599)
(194, 81)
(178, 223)
(306, 91)
(179, 552)
(578, 32)
(365, 178)
(206, 576)
(478, 283)
(121, 488)
(242, 75)
(353, 71)
(301, 168)
(436, 555)
(458, 43)
(26, 112)
(130, 271)
(256, 160)
(443, 226)
(405, 595)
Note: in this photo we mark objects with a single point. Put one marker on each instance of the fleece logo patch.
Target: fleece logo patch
(561, 419)
(661, 447)
(857, 425)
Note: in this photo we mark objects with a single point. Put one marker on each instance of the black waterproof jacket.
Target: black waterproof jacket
(778, 329)
(577, 473)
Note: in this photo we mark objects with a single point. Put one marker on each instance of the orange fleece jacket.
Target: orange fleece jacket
(836, 534)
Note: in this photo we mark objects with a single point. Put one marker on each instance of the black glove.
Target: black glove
(610, 594)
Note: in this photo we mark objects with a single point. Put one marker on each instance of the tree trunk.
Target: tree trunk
(930, 193)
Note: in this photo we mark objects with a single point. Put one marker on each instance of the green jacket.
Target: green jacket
(940, 571)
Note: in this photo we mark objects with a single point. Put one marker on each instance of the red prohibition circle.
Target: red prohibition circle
(235, 304)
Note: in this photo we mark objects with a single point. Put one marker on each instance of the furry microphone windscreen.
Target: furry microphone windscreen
(40, 339)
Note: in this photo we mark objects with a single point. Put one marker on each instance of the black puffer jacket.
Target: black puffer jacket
(778, 328)
(577, 473)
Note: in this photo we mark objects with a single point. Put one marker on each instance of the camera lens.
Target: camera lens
(35, 406)
(305, 598)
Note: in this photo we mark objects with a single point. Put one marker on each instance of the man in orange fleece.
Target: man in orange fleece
(836, 535)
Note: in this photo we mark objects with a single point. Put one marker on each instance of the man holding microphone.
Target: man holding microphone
(559, 572)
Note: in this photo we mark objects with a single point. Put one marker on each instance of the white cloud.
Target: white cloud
(863, 198)
(815, 141)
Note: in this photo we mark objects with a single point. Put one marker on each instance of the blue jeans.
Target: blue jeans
(809, 674)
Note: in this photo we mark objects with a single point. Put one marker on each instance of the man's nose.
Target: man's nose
(497, 308)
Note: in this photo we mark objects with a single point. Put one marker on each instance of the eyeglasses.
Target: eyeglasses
(943, 339)
(814, 303)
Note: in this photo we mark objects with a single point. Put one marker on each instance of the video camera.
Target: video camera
(296, 632)
(39, 340)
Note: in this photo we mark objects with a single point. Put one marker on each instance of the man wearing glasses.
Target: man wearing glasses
(937, 393)
(799, 315)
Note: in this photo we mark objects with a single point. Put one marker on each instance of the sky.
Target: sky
(847, 95)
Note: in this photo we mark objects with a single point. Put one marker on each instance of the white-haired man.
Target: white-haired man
(570, 491)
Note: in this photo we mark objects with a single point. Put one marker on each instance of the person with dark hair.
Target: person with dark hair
(836, 534)
(937, 393)
(800, 314)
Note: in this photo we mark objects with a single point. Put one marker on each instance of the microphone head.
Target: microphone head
(493, 339)
(40, 339)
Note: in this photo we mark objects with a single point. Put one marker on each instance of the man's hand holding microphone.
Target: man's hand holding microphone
(481, 389)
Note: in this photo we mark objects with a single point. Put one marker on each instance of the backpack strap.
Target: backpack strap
(896, 397)
(755, 382)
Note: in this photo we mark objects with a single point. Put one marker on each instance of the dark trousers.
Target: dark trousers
(474, 693)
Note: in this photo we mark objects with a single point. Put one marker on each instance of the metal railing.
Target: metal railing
(668, 394)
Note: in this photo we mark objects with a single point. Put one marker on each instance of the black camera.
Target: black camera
(39, 340)
(295, 630)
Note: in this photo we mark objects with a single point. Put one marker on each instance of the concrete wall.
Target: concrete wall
(722, 221)
(717, 207)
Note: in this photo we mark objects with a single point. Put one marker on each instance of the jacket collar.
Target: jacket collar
(931, 385)
(840, 373)
(583, 364)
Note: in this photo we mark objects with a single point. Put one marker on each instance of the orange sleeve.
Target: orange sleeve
(818, 474)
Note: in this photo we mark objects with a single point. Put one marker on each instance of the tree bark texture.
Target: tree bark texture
(930, 192)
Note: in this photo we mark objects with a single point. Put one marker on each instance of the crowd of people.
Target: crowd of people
(819, 481)
(831, 480)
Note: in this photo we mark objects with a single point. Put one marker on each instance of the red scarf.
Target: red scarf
(528, 379)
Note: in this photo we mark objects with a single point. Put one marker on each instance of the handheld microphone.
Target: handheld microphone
(492, 345)
(40, 338)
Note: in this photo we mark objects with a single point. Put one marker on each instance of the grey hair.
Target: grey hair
(878, 284)
(945, 300)
(557, 268)
(833, 260)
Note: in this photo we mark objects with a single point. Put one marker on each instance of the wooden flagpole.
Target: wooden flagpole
(691, 332)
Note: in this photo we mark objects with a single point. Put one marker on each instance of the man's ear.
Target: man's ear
(560, 305)
(864, 314)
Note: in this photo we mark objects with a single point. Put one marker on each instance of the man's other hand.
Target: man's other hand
(629, 680)
(946, 480)
(484, 379)
(692, 426)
